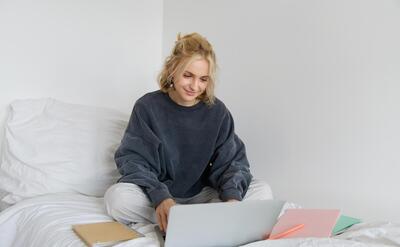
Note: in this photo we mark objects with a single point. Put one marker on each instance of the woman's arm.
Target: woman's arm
(137, 158)
(229, 171)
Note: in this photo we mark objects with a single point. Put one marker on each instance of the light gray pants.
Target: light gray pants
(126, 202)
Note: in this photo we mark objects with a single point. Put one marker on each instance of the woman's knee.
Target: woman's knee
(121, 196)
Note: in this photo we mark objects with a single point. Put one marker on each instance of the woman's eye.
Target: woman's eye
(186, 76)
(204, 80)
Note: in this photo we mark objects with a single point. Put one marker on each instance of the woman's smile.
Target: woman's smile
(190, 93)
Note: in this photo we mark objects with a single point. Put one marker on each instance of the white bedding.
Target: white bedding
(46, 221)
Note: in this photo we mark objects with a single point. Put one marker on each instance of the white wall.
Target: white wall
(314, 89)
(104, 53)
(313, 85)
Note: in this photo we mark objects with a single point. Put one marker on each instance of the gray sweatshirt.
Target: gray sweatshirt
(171, 150)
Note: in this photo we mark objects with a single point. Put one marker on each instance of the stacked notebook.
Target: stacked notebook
(302, 223)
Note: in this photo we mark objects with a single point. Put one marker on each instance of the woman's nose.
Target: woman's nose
(195, 83)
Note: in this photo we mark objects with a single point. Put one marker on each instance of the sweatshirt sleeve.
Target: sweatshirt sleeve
(229, 171)
(137, 158)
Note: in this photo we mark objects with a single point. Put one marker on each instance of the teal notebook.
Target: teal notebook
(343, 223)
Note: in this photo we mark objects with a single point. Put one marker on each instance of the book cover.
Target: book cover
(105, 233)
(317, 222)
(343, 223)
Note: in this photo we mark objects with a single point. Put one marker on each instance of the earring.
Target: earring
(170, 83)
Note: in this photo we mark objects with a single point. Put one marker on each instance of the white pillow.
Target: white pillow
(51, 147)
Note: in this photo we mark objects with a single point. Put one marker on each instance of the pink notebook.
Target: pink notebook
(317, 222)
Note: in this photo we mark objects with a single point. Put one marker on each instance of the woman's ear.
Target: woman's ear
(170, 82)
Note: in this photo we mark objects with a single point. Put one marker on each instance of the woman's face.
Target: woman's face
(191, 83)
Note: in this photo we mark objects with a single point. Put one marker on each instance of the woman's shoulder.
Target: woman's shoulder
(220, 106)
(150, 97)
(146, 103)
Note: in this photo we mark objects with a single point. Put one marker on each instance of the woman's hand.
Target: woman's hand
(162, 212)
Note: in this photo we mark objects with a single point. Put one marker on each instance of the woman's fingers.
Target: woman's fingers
(162, 212)
(164, 220)
(159, 221)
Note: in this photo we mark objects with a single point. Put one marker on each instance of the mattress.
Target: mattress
(47, 220)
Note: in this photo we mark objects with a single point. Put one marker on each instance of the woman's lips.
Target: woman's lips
(190, 92)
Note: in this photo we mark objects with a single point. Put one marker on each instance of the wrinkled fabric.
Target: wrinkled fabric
(46, 221)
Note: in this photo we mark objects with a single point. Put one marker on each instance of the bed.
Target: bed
(57, 162)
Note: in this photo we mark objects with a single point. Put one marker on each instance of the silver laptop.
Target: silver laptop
(221, 224)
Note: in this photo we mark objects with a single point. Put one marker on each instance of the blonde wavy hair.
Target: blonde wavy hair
(188, 48)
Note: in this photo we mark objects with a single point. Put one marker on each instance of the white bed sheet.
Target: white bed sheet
(46, 221)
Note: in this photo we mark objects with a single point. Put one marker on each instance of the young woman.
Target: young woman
(180, 145)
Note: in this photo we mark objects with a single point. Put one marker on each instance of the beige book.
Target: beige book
(105, 233)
